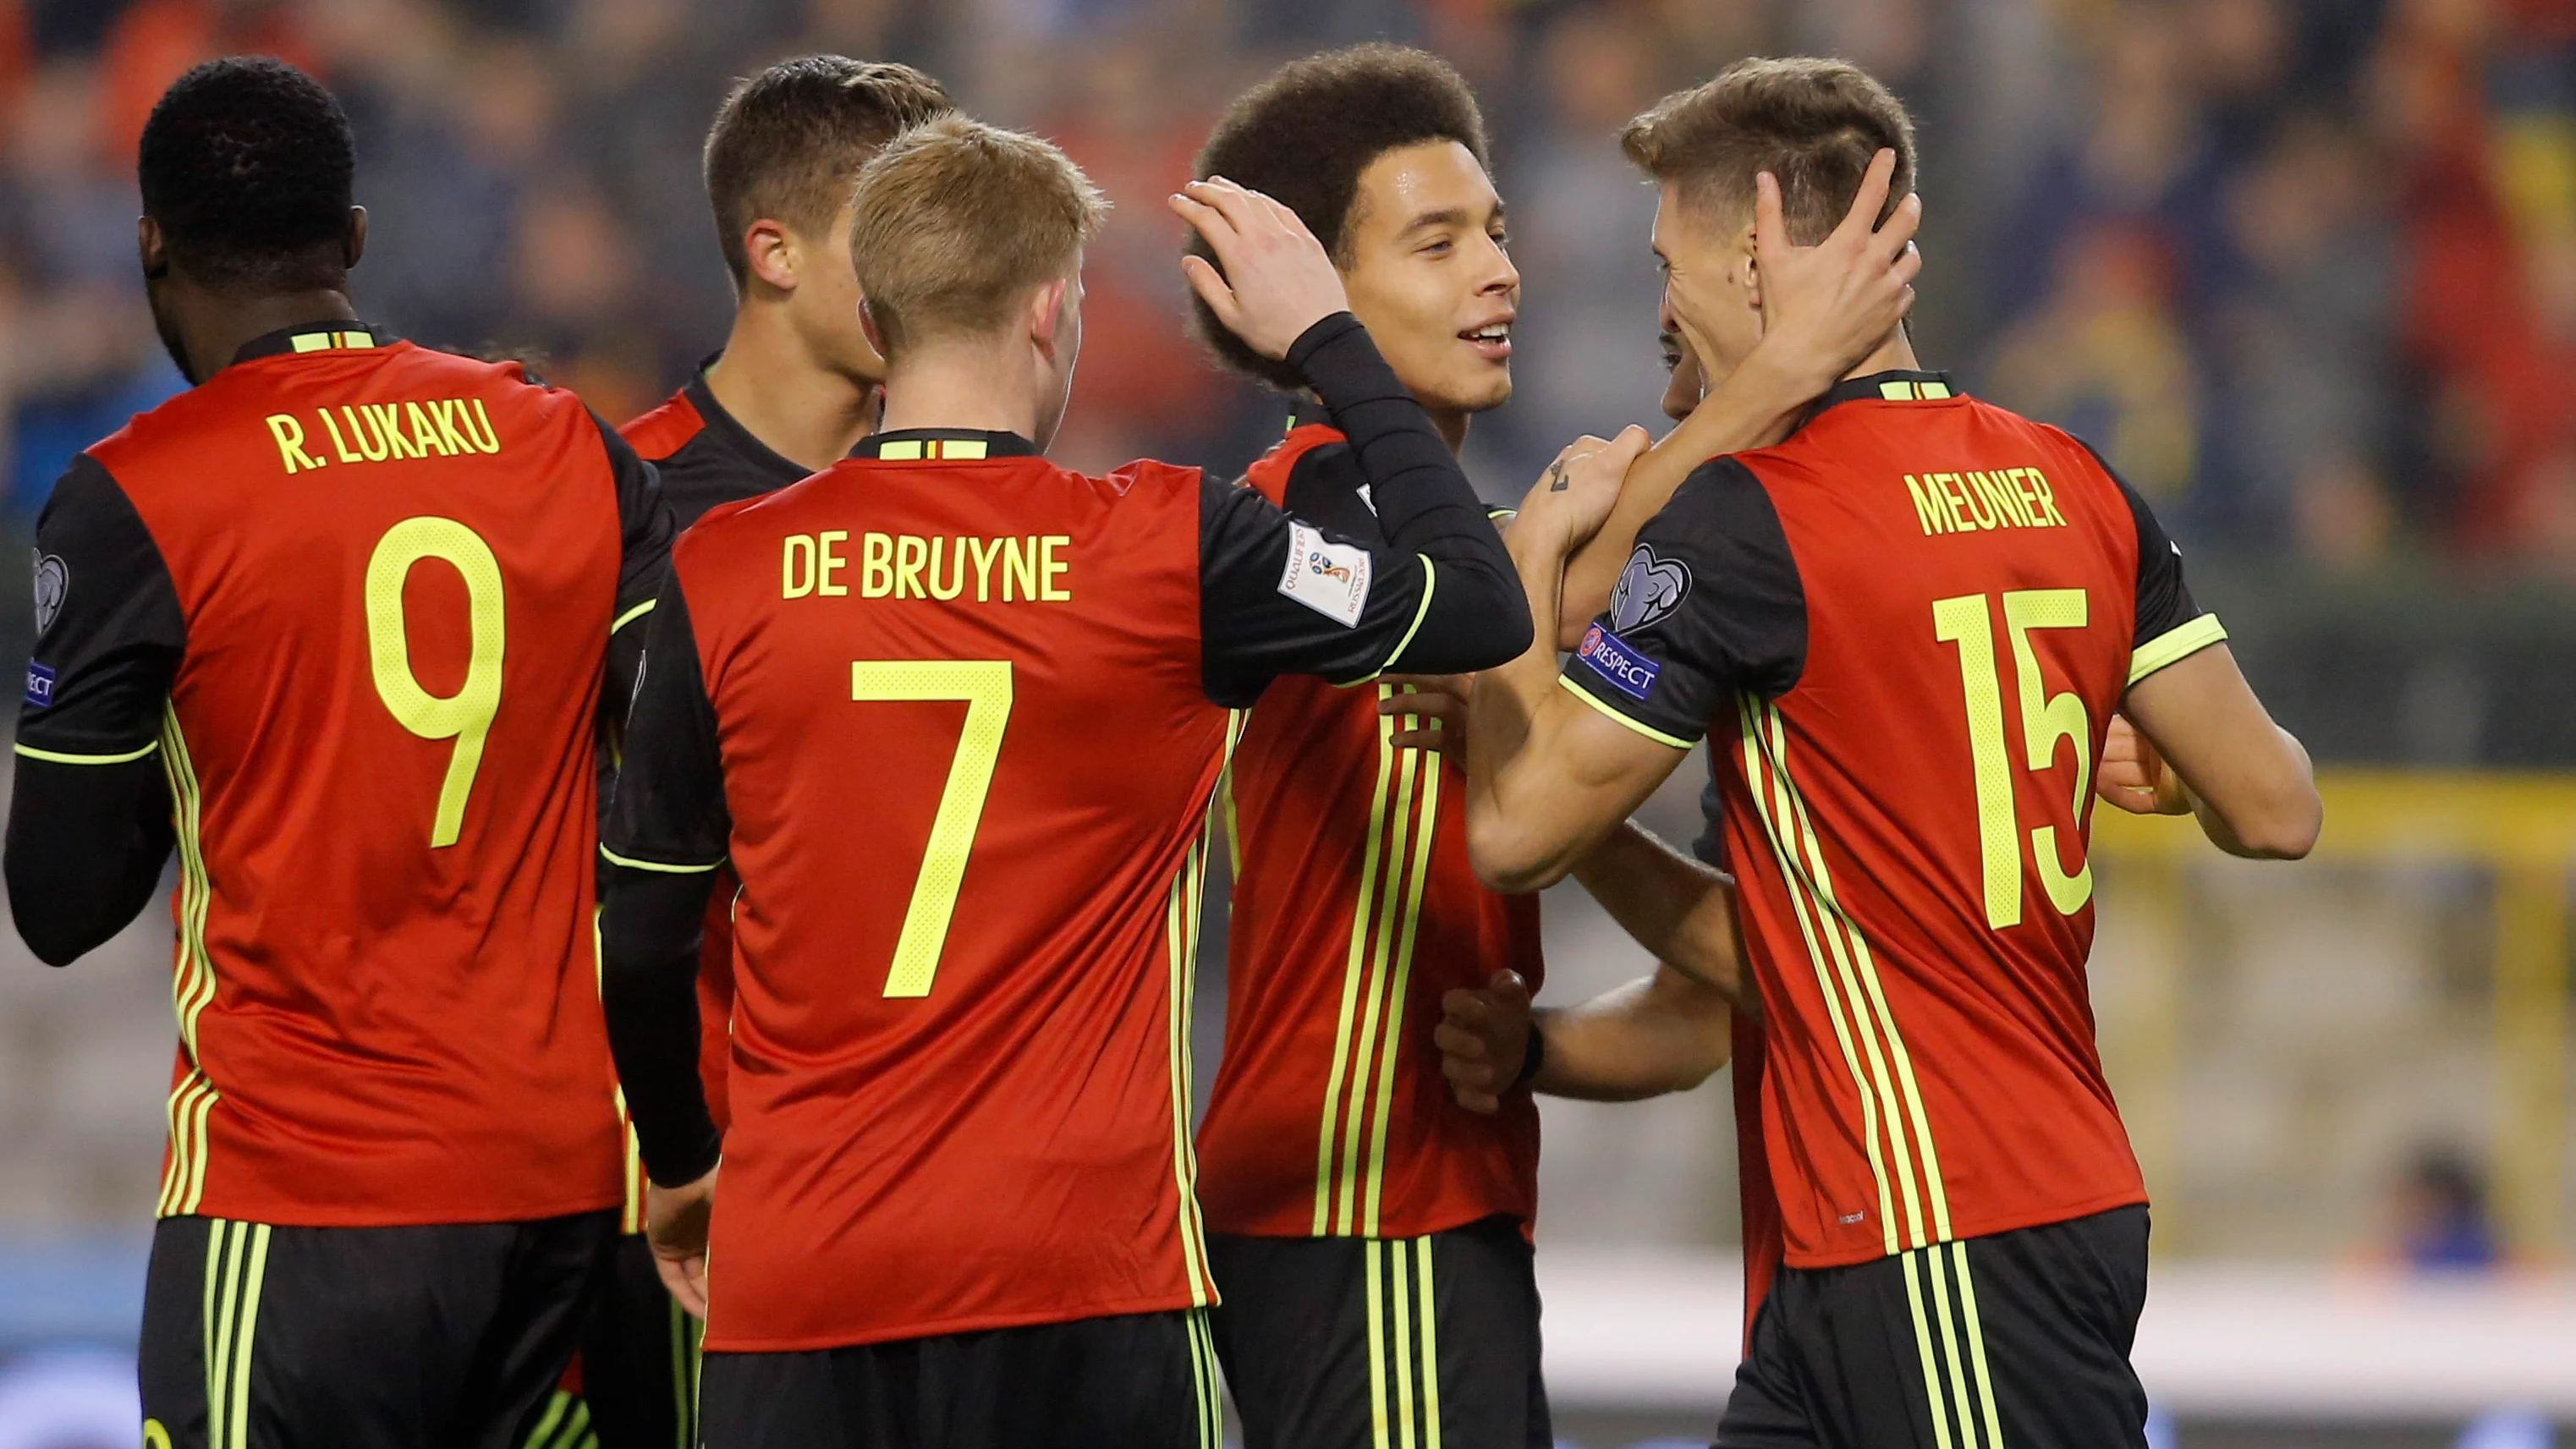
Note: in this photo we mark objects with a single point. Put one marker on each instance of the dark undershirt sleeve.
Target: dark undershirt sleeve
(1708, 606)
(644, 557)
(89, 821)
(1436, 593)
(666, 835)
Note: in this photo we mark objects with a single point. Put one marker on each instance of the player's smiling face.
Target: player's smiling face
(1429, 277)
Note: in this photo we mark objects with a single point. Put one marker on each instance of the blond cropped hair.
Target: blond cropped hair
(955, 222)
(1811, 122)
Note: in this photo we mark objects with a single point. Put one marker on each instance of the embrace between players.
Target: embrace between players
(903, 752)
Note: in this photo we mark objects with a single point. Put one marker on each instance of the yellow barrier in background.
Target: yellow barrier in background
(2521, 827)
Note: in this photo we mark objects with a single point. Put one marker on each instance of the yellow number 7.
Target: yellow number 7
(985, 685)
(1968, 621)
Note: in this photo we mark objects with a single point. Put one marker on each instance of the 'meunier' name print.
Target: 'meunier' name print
(1967, 502)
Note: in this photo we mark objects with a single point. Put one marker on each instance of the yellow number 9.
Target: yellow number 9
(465, 716)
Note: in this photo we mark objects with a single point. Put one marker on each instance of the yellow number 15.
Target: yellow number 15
(1968, 621)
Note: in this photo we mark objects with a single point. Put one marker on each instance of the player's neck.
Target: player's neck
(963, 387)
(768, 380)
(222, 325)
(1896, 354)
(1451, 425)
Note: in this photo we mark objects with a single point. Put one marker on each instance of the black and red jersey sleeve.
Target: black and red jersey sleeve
(1709, 605)
(2169, 624)
(109, 627)
(1429, 588)
(644, 531)
(669, 812)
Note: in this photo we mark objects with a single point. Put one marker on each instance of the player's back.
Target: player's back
(395, 571)
(1922, 609)
(966, 755)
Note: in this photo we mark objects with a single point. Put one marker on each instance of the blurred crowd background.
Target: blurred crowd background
(2305, 270)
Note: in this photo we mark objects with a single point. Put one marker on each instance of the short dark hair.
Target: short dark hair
(1813, 123)
(247, 164)
(788, 143)
(1303, 137)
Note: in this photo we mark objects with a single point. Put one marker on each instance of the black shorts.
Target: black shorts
(2017, 1339)
(1135, 1381)
(1368, 1343)
(637, 1380)
(449, 1336)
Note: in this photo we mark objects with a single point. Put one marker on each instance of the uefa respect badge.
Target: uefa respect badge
(1616, 660)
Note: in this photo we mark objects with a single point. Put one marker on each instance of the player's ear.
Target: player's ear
(868, 326)
(1047, 313)
(150, 248)
(771, 252)
(356, 244)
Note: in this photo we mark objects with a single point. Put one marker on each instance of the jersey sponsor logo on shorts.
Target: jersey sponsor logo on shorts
(1649, 589)
(1330, 578)
(53, 581)
(40, 686)
(1616, 660)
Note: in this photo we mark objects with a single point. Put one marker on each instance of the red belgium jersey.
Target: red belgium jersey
(1353, 910)
(1903, 631)
(392, 576)
(959, 1095)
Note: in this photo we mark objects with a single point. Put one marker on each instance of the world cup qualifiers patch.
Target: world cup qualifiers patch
(1330, 578)
(1611, 657)
(1649, 588)
(40, 686)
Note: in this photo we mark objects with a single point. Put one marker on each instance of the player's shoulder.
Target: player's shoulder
(665, 430)
(1306, 448)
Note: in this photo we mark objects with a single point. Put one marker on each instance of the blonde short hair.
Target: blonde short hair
(1811, 122)
(956, 221)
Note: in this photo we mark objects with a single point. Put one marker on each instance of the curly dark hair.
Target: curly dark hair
(247, 164)
(788, 143)
(1304, 135)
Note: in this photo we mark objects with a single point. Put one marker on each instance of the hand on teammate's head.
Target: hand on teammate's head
(1483, 1038)
(1573, 498)
(1834, 303)
(1271, 280)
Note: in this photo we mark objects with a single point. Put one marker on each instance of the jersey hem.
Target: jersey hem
(613, 858)
(1649, 731)
(1444, 1223)
(1978, 1228)
(613, 1200)
(943, 1327)
(2175, 645)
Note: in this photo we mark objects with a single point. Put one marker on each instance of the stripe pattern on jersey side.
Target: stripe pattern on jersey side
(1403, 1344)
(236, 1267)
(183, 1181)
(1350, 1147)
(564, 1425)
(1894, 1128)
(1204, 1380)
(1182, 912)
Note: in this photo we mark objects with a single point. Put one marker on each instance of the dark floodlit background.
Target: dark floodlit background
(2304, 269)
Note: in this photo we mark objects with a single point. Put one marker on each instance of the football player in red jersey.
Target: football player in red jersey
(954, 716)
(1371, 1240)
(793, 390)
(339, 621)
(1909, 625)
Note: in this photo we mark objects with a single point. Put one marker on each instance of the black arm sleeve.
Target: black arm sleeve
(666, 836)
(2169, 625)
(1280, 596)
(89, 822)
(1709, 605)
(645, 530)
